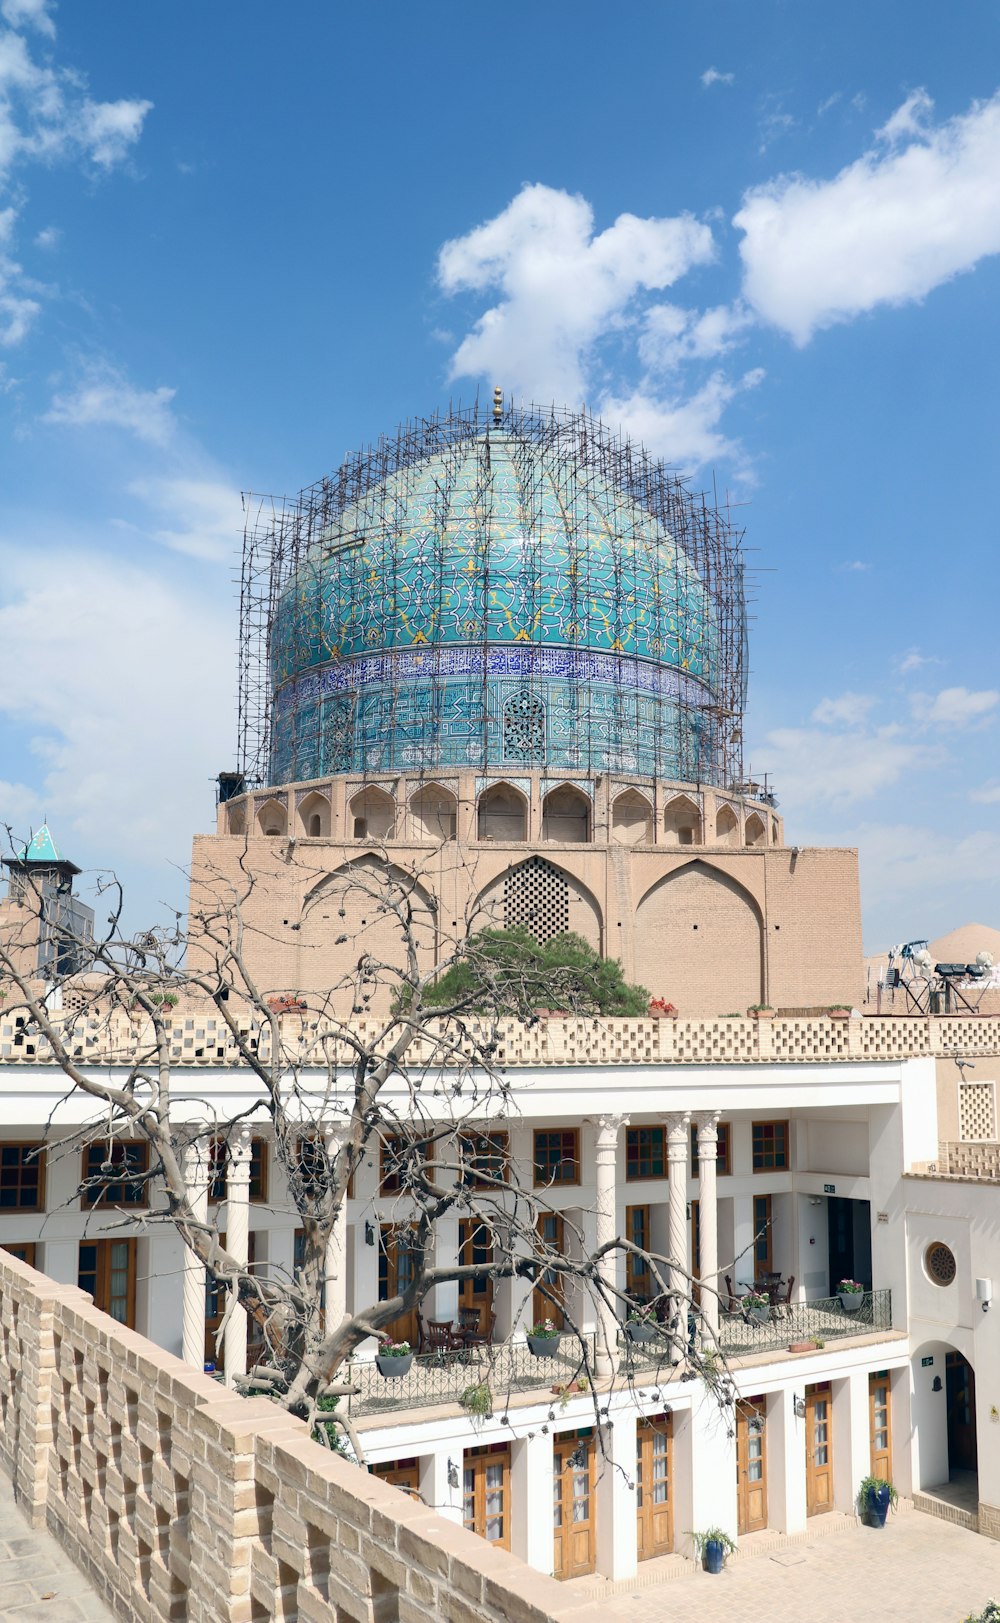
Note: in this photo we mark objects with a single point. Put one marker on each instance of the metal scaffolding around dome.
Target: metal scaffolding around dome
(493, 587)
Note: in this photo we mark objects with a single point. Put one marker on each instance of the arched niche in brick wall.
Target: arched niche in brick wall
(344, 916)
(699, 940)
(542, 897)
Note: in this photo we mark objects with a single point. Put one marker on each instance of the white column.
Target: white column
(606, 1190)
(713, 1463)
(678, 1136)
(193, 1315)
(445, 1295)
(335, 1283)
(617, 1554)
(851, 1438)
(531, 1493)
(436, 1491)
(786, 1461)
(708, 1229)
(237, 1244)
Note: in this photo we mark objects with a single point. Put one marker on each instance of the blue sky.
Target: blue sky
(239, 240)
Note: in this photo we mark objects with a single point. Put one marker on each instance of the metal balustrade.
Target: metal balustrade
(510, 1367)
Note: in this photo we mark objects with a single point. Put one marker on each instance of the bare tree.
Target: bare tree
(420, 1087)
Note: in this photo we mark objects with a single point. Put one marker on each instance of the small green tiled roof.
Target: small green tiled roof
(42, 848)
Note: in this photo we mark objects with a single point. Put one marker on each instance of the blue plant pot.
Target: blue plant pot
(877, 1505)
(715, 1556)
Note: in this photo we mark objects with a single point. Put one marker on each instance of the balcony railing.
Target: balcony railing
(506, 1368)
(822, 1320)
(510, 1367)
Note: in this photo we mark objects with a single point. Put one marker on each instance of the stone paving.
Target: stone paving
(918, 1570)
(38, 1583)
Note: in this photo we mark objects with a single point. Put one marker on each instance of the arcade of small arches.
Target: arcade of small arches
(504, 814)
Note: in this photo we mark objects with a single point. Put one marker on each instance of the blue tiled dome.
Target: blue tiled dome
(483, 607)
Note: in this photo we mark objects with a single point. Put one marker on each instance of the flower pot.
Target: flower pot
(715, 1556)
(877, 1506)
(850, 1301)
(392, 1368)
(802, 1346)
(637, 1330)
(838, 1014)
(543, 1346)
(759, 1315)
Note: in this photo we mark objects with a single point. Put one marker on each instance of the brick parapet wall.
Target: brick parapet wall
(555, 1040)
(185, 1504)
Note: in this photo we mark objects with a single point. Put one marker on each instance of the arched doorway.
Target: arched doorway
(945, 1467)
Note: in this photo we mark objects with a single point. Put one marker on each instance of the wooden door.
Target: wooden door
(880, 1425)
(638, 1279)
(475, 1249)
(106, 1270)
(25, 1252)
(404, 1474)
(762, 1251)
(654, 1486)
(486, 1494)
(751, 1465)
(551, 1232)
(819, 1449)
(395, 1274)
(960, 1384)
(574, 1504)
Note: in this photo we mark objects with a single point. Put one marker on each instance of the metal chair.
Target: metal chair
(474, 1337)
(441, 1336)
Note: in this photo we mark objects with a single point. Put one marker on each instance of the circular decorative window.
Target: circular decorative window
(939, 1261)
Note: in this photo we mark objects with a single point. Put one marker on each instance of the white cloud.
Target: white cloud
(848, 710)
(900, 861)
(712, 76)
(28, 14)
(829, 769)
(914, 660)
(956, 707)
(95, 657)
(107, 130)
(672, 336)
(49, 237)
(561, 286)
(987, 795)
(200, 517)
(853, 566)
(105, 397)
(918, 209)
(684, 431)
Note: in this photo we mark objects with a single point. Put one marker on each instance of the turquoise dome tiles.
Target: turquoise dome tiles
(482, 584)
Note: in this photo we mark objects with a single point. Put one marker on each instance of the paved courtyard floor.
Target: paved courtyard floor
(919, 1570)
(38, 1583)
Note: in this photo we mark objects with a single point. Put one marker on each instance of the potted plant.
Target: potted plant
(759, 1011)
(543, 1338)
(641, 1324)
(477, 1400)
(393, 1358)
(660, 1009)
(757, 1306)
(839, 1011)
(851, 1295)
(712, 1548)
(875, 1495)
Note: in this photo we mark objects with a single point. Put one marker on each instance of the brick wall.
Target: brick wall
(186, 1504)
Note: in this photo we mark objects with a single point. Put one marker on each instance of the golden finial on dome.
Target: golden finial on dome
(497, 406)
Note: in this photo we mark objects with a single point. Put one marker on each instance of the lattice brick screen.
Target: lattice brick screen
(536, 896)
(977, 1111)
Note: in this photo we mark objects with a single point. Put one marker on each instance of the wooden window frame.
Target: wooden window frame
(723, 1154)
(35, 1169)
(102, 1273)
(478, 1150)
(389, 1182)
(640, 1155)
(101, 1199)
(218, 1166)
(476, 1460)
(571, 1137)
(767, 1161)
